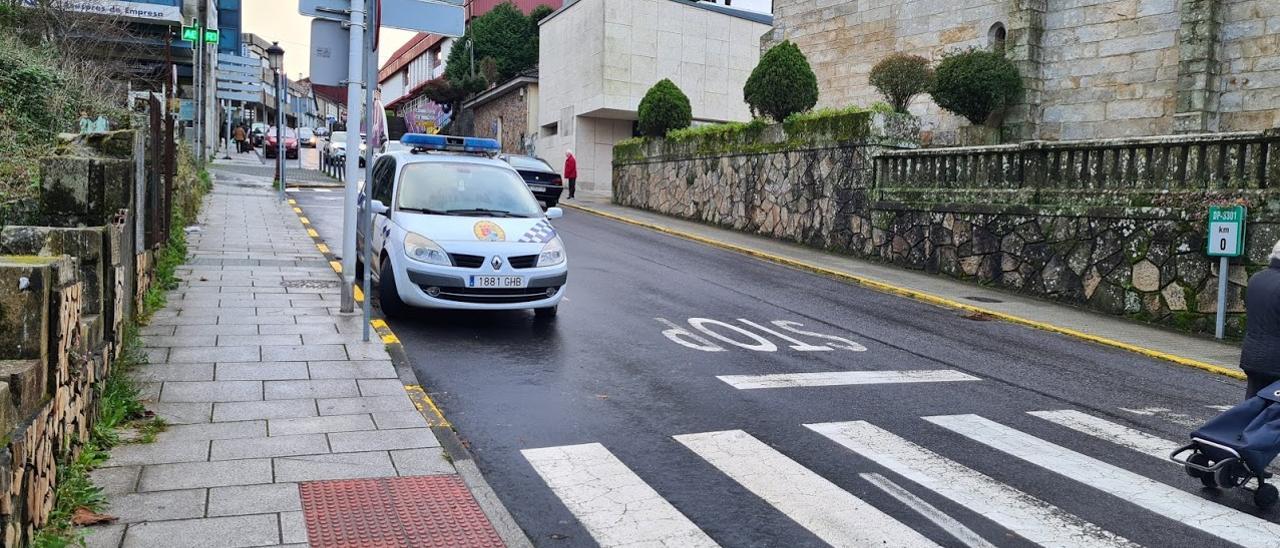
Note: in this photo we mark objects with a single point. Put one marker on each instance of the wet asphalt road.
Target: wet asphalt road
(604, 372)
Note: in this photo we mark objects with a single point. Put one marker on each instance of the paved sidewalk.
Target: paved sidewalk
(268, 391)
(1176, 345)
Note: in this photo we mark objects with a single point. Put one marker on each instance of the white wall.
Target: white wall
(597, 59)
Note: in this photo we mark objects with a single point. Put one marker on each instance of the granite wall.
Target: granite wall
(1116, 226)
(1093, 68)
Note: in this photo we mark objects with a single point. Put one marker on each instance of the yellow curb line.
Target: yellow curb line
(918, 295)
(337, 266)
(323, 248)
(417, 394)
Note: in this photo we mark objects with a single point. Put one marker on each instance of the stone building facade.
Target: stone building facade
(509, 113)
(1092, 68)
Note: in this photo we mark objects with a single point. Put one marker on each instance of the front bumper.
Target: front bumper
(545, 288)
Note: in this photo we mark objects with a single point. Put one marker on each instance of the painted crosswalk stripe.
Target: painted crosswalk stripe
(1032, 518)
(1124, 436)
(613, 504)
(947, 523)
(842, 378)
(1175, 504)
(829, 512)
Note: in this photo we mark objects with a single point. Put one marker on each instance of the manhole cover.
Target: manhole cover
(418, 511)
(983, 299)
(311, 284)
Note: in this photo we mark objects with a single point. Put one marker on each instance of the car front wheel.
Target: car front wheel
(388, 295)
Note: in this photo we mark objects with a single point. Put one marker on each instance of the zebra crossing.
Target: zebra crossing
(618, 508)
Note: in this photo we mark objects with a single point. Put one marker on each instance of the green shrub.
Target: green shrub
(975, 83)
(901, 77)
(663, 109)
(782, 83)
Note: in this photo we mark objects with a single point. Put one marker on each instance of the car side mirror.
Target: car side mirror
(554, 213)
(378, 207)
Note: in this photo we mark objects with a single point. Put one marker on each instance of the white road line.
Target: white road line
(321, 190)
(818, 505)
(1034, 519)
(613, 504)
(1175, 504)
(842, 378)
(947, 523)
(1137, 440)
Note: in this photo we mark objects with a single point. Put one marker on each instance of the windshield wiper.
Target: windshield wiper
(484, 212)
(426, 211)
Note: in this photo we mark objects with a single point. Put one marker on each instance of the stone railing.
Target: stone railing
(1118, 172)
(1116, 225)
(69, 285)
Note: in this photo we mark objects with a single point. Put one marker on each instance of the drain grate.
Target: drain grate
(311, 284)
(982, 299)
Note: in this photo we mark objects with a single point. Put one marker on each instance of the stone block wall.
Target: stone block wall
(66, 294)
(1250, 57)
(509, 115)
(1116, 226)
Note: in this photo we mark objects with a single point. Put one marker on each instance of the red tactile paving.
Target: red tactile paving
(409, 512)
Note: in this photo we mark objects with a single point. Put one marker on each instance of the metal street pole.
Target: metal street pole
(371, 82)
(198, 104)
(279, 136)
(226, 110)
(354, 75)
(1224, 268)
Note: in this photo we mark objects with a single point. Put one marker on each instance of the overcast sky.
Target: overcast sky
(279, 20)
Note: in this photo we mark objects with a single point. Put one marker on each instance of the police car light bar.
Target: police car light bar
(423, 141)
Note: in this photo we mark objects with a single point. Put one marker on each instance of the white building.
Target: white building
(597, 58)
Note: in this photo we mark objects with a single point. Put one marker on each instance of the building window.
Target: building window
(996, 37)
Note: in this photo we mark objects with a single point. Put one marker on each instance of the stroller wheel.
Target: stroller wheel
(1197, 459)
(1230, 476)
(1208, 480)
(1266, 496)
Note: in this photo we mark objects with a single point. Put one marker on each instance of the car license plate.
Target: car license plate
(496, 282)
(537, 188)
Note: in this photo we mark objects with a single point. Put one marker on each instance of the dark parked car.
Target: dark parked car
(270, 149)
(256, 133)
(546, 184)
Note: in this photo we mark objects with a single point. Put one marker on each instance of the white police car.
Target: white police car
(456, 228)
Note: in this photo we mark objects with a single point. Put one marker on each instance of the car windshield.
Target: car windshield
(456, 188)
(338, 137)
(529, 163)
(306, 133)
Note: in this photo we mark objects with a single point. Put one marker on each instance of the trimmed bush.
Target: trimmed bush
(901, 77)
(663, 109)
(975, 83)
(782, 83)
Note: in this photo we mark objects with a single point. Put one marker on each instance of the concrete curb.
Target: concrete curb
(915, 294)
(501, 519)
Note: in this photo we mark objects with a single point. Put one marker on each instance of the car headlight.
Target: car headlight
(552, 253)
(420, 249)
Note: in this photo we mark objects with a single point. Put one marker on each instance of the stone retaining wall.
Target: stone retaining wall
(1116, 226)
(68, 288)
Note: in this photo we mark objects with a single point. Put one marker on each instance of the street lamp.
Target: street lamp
(275, 57)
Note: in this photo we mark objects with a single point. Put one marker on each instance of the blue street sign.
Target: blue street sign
(424, 16)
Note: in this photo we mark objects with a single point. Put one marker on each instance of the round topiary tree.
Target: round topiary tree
(782, 83)
(663, 109)
(901, 77)
(975, 83)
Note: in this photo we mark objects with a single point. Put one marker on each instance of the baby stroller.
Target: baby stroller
(1237, 446)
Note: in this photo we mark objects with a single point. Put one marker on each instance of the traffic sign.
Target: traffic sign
(330, 44)
(425, 16)
(1226, 231)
